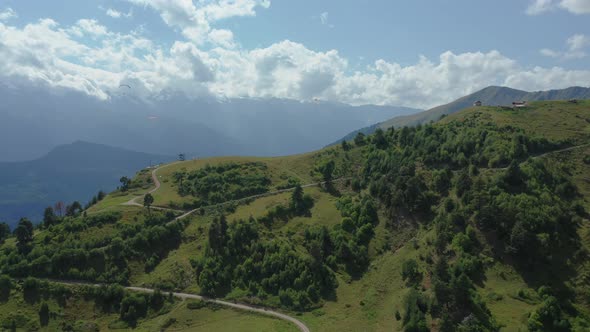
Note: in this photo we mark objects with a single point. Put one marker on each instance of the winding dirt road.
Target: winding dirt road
(545, 154)
(184, 296)
(239, 306)
(133, 202)
(157, 184)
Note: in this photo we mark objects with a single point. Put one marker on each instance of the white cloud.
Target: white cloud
(195, 22)
(578, 7)
(578, 42)
(576, 46)
(222, 37)
(88, 27)
(113, 13)
(549, 53)
(540, 78)
(47, 53)
(223, 9)
(180, 14)
(7, 14)
(537, 7)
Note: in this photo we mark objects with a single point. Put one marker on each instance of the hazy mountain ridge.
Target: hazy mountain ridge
(170, 124)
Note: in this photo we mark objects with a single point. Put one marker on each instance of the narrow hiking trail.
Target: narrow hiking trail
(545, 154)
(302, 327)
(184, 296)
(261, 310)
(157, 184)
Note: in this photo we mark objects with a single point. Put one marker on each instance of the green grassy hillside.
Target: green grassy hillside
(492, 95)
(78, 313)
(475, 223)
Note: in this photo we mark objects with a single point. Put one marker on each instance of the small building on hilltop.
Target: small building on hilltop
(477, 103)
(518, 104)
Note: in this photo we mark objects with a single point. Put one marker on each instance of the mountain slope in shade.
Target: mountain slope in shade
(69, 172)
(493, 96)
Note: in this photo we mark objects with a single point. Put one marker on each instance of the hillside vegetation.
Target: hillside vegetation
(475, 223)
(492, 96)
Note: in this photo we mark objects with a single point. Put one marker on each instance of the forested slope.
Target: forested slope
(475, 223)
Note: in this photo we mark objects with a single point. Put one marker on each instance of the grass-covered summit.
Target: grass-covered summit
(477, 222)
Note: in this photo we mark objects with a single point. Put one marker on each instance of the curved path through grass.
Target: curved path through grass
(261, 310)
(157, 184)
(184, 296)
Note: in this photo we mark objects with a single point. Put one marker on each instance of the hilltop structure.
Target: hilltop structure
(519, 104)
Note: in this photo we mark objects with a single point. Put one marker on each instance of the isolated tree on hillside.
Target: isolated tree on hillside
(125, 182)
(218, 233)
(359, 139)
(44, 314)
(327, 170)
(181, 157)
(410, 272)
(148, 200)
(297, 200)
(24, 231)
(345, 146)
(179, 176)
(379, 139)
(49, 217)
(300, 203)
(5, 288)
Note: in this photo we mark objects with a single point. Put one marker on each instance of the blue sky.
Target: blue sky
(414, 53)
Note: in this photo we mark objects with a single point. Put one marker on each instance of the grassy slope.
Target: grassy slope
(81, 313)
(368, 303)
(492, 95)
(503, 288)
(279, 168)
(555, 120)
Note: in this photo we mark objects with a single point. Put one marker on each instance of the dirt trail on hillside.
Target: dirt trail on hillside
(240, 306)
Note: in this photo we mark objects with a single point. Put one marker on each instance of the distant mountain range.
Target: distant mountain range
(35, 120)
(493, 95)
(69, 172)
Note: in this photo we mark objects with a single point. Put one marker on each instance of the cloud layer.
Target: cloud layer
(578, 7)
(88, 57)
(576, 48)
(7, 14)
